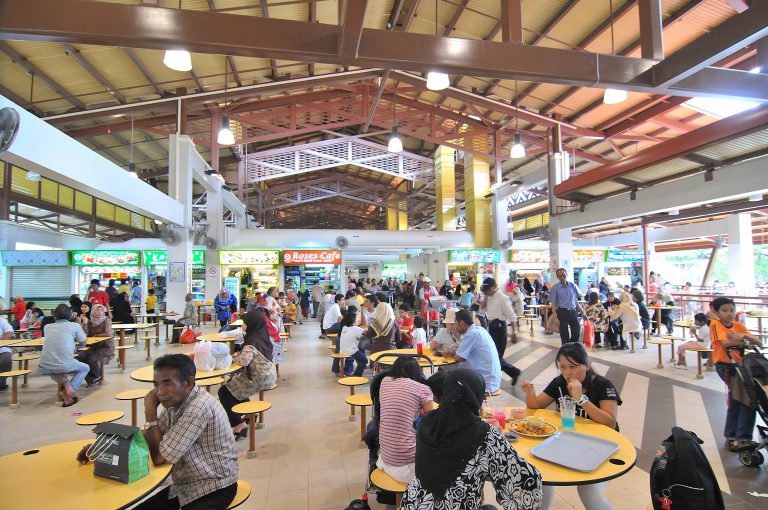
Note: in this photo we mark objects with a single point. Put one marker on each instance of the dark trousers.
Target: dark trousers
(315, 308)
(6, 365)
(498, 331)
(740, 418)
(336, 328)
(228, 401)
(568, 319)
(613, 336)
(216, 500)
(362, 362)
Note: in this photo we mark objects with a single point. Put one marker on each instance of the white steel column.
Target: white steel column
(741, 255)
(560, 249)
(180, 188)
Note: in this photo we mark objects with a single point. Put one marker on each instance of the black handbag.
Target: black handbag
(364, 343)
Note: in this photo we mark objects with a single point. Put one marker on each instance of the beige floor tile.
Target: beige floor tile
(288, 500)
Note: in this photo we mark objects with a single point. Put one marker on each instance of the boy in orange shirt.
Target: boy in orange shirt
(724, 333)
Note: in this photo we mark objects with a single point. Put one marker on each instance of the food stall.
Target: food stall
(155, 268)
(310, 266)
(622, 267)
(531, 264)
(105, 265)
(43, 276)
(467, 266)
(251, 268)
(396, 270)
(585, 264)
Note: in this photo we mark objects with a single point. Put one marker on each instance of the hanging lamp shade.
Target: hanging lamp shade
(395, 143)
(226, 137)
(437, 81)
(614, 96)
(518, 151)
(132, 170)
(178, 60)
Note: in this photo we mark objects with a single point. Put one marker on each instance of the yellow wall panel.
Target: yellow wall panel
(66, 197)
(83, 202)
(20, 184)
(122, 216)
(105, 210)
(49, 191)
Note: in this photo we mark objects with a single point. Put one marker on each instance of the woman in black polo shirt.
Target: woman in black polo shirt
(596, 399)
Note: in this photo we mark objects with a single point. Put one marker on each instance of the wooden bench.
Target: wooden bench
(13, 374)
(352, 382)
(659, 343)
(100, 417)
(133, 396)
(362, 401)
(251, 409)
(385, 482)
(243, 493)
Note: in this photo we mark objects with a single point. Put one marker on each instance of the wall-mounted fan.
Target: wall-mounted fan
(342, 242)
(9, 126)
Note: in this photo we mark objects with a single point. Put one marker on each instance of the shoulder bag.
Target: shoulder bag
(259, 374)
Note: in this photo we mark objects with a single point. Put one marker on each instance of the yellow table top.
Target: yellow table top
(659, 342)
(132, 394)
(239, 322)
(211, 381)
(389, 360)
(161, 314)
(68, 484)
(96, 339)
(145, 374)
(214, 337)
(362, 399)
(554, 474)
(36, 342)
(139, 325)
(256, 406)
(10, 342)
(100, 417)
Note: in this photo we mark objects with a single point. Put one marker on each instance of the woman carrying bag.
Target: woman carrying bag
(258, 373)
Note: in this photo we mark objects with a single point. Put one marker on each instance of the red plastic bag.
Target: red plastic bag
(589, 334)
(188, 336)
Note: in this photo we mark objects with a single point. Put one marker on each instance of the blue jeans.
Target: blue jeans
(79, 368)
(740, 419)
(362, 361)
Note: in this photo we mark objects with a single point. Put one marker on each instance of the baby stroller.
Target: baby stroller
(753, 372)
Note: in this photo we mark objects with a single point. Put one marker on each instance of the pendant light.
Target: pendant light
(179, 59)
(226, 136)
(613, 96)
(436, 80)
(131, 164)
(518, 151)
(395, 143)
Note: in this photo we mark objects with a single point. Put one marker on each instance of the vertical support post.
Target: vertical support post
(651, 33)
(5, 202)
(646, 256)
(741, 255)
(215, 125)
(477, 188)
(511, 21)
(92, 223)
(497, 157)
(710, 265)
(241, 182)
(445, 189)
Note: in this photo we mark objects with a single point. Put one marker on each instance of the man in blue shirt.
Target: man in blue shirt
(478, 351)
(564, 301)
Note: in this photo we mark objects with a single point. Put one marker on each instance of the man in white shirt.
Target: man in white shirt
(369, 308)
(317, 296)
(498, 310)
(427, 287)
(332, 317)
(56, 358)
(6, 364)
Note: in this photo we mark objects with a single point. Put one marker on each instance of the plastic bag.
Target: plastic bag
(204, 359)
(221, 354)
(553, 324)
(589, 334)
(188, 336)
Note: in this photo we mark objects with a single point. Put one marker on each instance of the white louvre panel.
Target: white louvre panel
(42, 283)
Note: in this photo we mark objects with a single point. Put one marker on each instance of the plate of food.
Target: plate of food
(532, 428)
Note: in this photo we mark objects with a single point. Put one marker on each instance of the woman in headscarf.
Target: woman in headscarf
(75, 303)
(304, 300)
(456, 452)
(98, 324)
(258, 373)
(221, 304)
(121, 309)
(381, 331)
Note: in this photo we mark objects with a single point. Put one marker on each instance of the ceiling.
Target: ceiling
(121, 101)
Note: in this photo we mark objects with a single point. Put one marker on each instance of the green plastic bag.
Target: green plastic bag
(119, 452)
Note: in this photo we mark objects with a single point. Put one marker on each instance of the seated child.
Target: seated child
(418, 333)
(406, 321)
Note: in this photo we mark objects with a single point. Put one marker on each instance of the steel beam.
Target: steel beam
(733, 34)
(141, 67)
(351, 19)
(651, 31)
(720, 131)
(451, 26)
(512, 21)
(95, 74)
(375, 101)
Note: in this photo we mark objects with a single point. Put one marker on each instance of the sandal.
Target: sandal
(740, 445)
(74, 401)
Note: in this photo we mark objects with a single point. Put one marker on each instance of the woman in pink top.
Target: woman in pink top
(402, 399)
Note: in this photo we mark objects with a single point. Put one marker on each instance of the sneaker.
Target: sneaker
(681, 367)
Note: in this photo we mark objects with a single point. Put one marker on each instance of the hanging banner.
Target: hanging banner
(395, 267)
(247, 258)
(586, 257)
(160, 257)
(35, 258)
(105, 258)
(529, 257)
(328, 257)
(473, 256)
(624, 256)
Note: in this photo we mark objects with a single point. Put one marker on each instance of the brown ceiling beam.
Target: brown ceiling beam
(95, 74)
(451, 26)
(733, 34)
(22, 61)
(720, 131)
(651, 30)
(20, 101)
(230, 60)
(375, 101)
(143, 69)
(265, 14)
(351, 20)
(512, 21)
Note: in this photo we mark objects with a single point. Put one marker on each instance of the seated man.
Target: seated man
(59, 346)
(478, 351)
(6, 364)
(193, 434)
(446, 341)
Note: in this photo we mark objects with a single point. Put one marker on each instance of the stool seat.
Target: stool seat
(27, 357)
(207, 383)
(100, 417)
(353, 381)
(243, 493)
(385, 482)
(257, 406)
(15, 373)
(148, 337)
(132, 394)
(361, 400)
(124, 347)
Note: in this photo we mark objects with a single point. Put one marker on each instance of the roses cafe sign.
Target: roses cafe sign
(328, 257)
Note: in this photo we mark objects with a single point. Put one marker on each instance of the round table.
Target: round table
(214, 337)
(146, 374)
(120, 328)
(99, 417)
(553, 474)
(67, 483)
(389, 360)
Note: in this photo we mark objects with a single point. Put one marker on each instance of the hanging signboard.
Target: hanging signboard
(624, 256)
(247, 258)
(473, 256)
(35, 258)
(586, 257)
(198, 257)
(529, 257)
(105, 258)
(395, 267)
(160, 257)
(328, 257)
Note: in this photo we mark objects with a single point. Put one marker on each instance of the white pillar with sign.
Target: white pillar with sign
(560, 248)
(741, 254)
(181, 159)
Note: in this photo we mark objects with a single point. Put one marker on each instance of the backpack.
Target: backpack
(681, 477)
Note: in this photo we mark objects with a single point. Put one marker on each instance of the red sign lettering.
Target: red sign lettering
(312, 257)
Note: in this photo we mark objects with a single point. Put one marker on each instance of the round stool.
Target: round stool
(148, 343)
(24, 360)
(252, 409)
(342, 360)
(100, 417)
(362, 401)
(385, 482)
(261, 424)
(133, 396)
(13, 374)
(352, 382)
(207, 383)
(243, 493)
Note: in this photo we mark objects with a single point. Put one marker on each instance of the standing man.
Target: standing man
(419, 283)
(477, 350)
(498, 310)
(96, 296)
(317, 296)
(564, 301)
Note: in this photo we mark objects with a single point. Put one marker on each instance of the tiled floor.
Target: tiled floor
(310, 456)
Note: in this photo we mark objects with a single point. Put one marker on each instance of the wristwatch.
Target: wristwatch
(149, 425)
(583, 400)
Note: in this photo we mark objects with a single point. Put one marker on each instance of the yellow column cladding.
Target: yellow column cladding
(477, 184)
(445, 188)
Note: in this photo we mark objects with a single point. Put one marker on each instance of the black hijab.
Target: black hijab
(449, 437)
(257, 334)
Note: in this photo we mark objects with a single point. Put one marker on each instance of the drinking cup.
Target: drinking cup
(517, 413)
(567, 412)
(420, 348)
